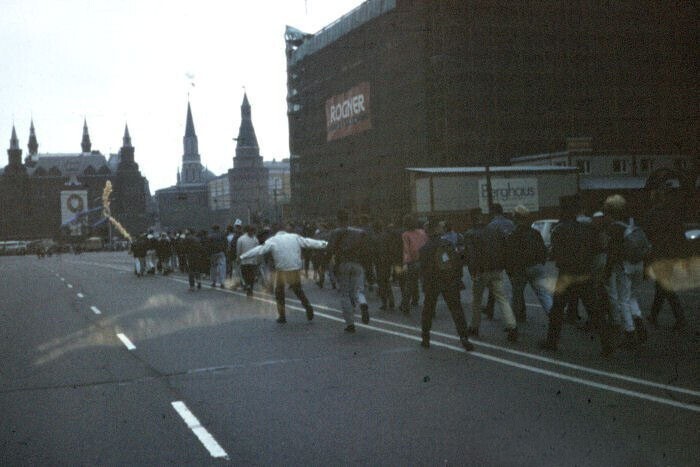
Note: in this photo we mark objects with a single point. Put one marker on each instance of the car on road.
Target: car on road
(544, 227)
(13, 247)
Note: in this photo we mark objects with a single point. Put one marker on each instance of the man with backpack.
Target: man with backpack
(626, 248)
(574, 248)
(525, 258)
(349, 246)
(441, 273)
(485, 252)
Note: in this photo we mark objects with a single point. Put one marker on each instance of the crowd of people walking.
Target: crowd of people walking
(601, 261)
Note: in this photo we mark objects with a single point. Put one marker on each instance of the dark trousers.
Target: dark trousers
(386, 294)
(293, 280)
(409, 286)
(248, 273)
(452, 299)
(194, 276)
(661, 294)
(594, 298)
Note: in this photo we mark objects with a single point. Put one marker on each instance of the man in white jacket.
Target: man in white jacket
(286, 254)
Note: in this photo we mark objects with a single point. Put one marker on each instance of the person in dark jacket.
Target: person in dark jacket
(139, 248)
(217, 250)
(663, 227)
(163, 253)
(441, 273)
(526, 255)
(196, 257)
(349, 247)
(574, 248)
(485, 251)
(388, 258)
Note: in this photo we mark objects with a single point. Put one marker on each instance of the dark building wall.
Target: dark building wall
(467, 83)
(181, 208)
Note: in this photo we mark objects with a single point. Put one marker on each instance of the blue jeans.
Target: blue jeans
(351, 285)
(535, 276)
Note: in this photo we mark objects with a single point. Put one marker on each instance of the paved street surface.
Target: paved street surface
(100, 367)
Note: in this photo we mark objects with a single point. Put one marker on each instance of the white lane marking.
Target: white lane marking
(200, 432)
(95, 310)
(510, 363)
(552, 361)
(80, 295)
(553, 374)
(62, 279)
(129, 345)
(70, 286)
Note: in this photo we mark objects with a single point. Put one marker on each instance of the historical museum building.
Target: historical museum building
(396, 84)
(60, 195)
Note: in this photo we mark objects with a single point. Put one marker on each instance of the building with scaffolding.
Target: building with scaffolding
(396, 84)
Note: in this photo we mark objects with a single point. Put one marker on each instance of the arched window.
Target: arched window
(104, 170)
(53, 171)
(89, 170)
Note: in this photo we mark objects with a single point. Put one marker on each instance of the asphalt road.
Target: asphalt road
(102, 368)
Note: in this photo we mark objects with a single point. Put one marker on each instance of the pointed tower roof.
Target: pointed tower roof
(14, 142)
(32, 145)
(85, 144)
(189, 128)
(246, 132)
(126, 141)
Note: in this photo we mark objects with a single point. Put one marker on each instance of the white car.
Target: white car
(544, 227)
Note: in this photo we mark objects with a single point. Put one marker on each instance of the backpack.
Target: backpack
(447, 262)
(635, 243)
(353, 245)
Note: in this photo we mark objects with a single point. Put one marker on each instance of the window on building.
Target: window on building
(619, 166)
(584, 166)
(680, 164)
(646, 165)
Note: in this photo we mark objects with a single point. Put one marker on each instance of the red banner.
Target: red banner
(348, 113)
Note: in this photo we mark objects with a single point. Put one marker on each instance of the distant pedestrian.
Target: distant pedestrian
(249, 266)
(413, 239)
(217, 251)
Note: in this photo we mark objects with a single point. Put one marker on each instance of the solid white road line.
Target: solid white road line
(95, 310)
(585, 382)
(129, 345)
(80, 295)
(204, 436)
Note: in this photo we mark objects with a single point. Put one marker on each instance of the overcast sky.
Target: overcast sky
(117, 61)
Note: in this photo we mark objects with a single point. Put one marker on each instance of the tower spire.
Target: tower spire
(85, 144)
(247, 142)
(14, 156)
(14, 142)
(32, 145)
(126, 153)
(191, 161)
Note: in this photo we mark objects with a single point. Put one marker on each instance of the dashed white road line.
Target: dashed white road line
(70, 286)
(62, 279)
(553, 374)
(80, 295)
(125, 340)
(95, 310)
(204, 436)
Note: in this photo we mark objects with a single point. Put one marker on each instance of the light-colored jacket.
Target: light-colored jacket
(286, 250)
(244, 244)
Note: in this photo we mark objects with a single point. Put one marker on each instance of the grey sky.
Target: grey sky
(128, 61)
